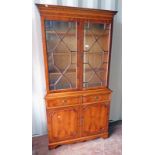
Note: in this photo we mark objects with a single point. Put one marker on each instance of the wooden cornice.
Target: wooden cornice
(75, 12)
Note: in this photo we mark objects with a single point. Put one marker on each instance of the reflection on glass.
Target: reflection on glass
(96, 46)
(61, 52)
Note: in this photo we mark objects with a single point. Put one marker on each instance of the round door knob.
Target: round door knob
(106, 103)
(64, 101)
(96, 97)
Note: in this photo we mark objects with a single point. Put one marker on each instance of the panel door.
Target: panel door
(94, 118)
(63, 123)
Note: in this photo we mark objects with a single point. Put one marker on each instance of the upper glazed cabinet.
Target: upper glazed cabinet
(77, 54)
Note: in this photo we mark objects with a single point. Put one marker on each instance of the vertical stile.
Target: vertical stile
(80, 36)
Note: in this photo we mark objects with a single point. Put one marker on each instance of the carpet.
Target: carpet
(100, 146)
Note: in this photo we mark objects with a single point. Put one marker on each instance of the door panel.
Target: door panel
(94, 118)
(96, 54)
(63, 123)
(61, 44)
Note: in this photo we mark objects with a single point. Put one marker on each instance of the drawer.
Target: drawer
(96, 98)
(63, 101)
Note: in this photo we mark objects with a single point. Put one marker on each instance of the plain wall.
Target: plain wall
(116, 66)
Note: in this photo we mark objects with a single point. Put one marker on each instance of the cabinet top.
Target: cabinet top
(74, 12)
(79, 93)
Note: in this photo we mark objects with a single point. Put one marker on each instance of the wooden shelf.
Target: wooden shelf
(63, 52)
(60, 33)
(74, 70)
(69, 34)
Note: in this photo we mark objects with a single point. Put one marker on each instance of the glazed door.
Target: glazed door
(61, 49)
(94, 118)
(96, 54)
(63, 123)
(77, 54)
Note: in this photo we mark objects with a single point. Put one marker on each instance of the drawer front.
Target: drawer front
(63, 101)
(96, 98)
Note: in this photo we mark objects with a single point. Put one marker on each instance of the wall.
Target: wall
(38, 87)
(116, 66)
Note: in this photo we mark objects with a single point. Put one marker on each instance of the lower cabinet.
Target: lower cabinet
(77, 118)
(94, 118)
(76, 121)
(63, 123)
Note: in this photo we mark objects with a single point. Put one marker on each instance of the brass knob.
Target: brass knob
(82, 119)
(106, 103)
(64, 101)
(96, 97)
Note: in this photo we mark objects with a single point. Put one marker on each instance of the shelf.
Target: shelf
(85, 52)
(74, 70)
(60, 33)
(88, 52)
(63, 53)
(69, 33)
(68, 71)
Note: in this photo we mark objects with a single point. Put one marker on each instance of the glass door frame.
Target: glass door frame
(109, 51)
(78, 58)
(80, 50)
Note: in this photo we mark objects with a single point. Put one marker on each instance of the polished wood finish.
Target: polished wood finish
(96, 98)
(94, 118)
(63, 123)
(45, 55)
(80, 40)
(64, 101)
(77, 114)
(56, 12)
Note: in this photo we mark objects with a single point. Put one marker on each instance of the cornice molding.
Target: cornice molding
(75, 12)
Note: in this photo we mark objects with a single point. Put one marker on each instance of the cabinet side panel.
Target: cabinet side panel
(110, 47)
(45, 53)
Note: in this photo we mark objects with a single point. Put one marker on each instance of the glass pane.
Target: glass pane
(96, 46)
(61, 42)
